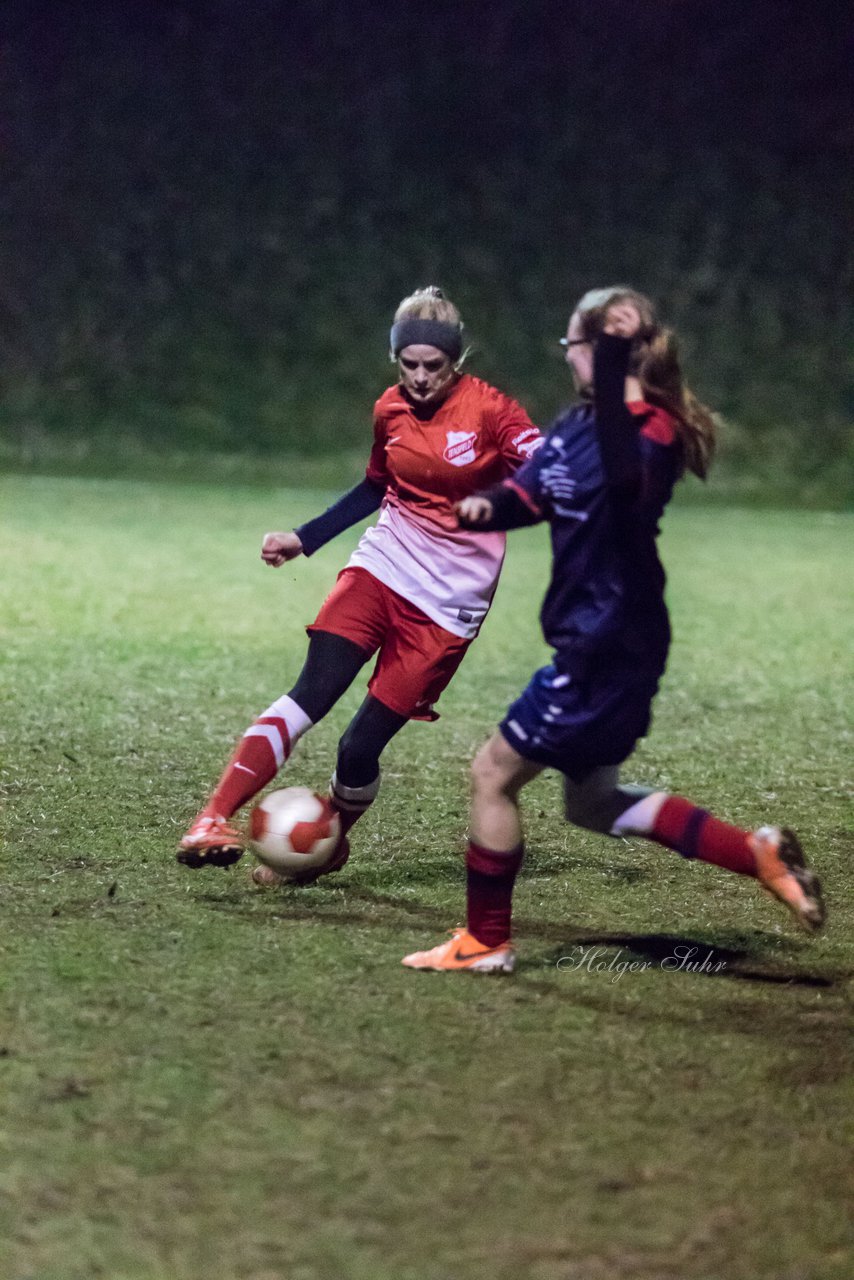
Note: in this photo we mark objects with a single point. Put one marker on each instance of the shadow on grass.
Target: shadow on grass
(542, 868)
(692, 957)
(816, 1039)
(317, 903)
(819, 1036)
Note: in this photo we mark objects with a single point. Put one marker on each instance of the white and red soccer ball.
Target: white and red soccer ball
(294, 830)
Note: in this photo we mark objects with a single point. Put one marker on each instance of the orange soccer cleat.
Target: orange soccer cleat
(210, 842)
(782, 870)
(463, 953)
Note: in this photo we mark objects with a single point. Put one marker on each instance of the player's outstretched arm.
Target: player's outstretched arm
(362, 500)
(495, 509)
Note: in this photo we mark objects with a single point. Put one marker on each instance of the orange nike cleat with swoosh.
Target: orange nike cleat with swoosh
(463, 953)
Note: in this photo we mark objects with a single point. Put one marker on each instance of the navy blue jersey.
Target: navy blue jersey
(606, 595)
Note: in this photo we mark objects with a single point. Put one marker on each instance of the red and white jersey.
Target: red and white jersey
(476, 438)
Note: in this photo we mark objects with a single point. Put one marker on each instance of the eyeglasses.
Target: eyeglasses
(573, 342)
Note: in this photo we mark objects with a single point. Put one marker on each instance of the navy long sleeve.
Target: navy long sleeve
(508, 511)
(362, 500)
(616, 426)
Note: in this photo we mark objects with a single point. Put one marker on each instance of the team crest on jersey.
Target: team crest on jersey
(459, 450)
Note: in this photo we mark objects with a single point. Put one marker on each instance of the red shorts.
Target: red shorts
(417, 657)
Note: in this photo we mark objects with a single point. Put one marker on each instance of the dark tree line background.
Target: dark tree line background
(210, 210)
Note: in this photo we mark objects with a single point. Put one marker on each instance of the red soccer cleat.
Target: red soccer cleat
(210, 842)
(782, 870)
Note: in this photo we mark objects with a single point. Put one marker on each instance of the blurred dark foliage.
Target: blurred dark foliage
(210, 210)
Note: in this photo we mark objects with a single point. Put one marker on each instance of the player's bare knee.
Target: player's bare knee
(483, 774)
(488, 776)
(497, 771)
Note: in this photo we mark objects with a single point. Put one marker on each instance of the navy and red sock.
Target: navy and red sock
(696, 833)
(490, 879)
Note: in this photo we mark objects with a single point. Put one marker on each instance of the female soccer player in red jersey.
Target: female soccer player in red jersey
(414, 592)
(602, 480)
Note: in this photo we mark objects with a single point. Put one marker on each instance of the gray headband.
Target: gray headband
(429, 333)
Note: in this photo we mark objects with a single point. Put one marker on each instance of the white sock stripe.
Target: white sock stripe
(273, 736)
(350, 806)
(639, 818)
(356, 795)
(296, 721)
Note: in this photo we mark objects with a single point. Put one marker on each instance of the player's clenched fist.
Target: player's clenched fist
(279, 547)
(473, 511)
(622, 319)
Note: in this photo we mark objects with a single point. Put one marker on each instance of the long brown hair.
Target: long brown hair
(655, 363)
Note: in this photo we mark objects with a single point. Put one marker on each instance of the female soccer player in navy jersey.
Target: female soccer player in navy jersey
(414, 592)
(602, 480)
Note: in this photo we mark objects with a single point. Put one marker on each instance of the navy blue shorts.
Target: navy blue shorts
(574, 725)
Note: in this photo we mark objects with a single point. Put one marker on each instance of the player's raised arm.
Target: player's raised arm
(616, 427)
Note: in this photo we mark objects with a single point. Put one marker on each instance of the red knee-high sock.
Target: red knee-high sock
(490, 877)
(259, 755)
(695, 833)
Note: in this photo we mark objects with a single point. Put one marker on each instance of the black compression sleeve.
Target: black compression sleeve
(331, 665)
(616, 427)
(360, 501)
(508, 511)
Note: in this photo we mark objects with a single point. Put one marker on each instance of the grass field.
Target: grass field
(199, 1081)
